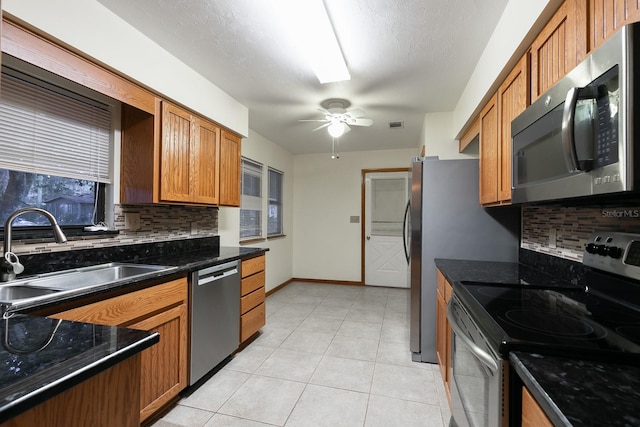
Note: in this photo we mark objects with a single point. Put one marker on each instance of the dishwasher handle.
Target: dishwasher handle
(217, 272)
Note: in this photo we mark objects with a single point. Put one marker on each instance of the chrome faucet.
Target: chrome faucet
(9, 264)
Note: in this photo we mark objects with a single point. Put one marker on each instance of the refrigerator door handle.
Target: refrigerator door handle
(405, 226)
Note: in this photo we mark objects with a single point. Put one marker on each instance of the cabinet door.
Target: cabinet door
(164, 365)
(229, 169)
(489, 152)
(559, 47)
(513, 98)
(206, 161)
(532, 413)
(175, 154)
(607, 16)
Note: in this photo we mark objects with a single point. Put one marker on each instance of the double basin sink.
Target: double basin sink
(45, 288)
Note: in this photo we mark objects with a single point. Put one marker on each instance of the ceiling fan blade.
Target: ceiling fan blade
(316, 120)
(361, 122)
(320, 127)
(347, 129)
(325, 112)
(355, 113)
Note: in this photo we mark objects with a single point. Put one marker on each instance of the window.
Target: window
(55, 151)
(251, 202)
(274, 220)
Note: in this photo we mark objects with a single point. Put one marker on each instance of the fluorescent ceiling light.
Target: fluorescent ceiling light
(311, 28)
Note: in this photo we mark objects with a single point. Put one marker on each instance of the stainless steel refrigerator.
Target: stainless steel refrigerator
(447, 221)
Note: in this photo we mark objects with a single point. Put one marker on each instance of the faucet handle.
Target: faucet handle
(15, 262)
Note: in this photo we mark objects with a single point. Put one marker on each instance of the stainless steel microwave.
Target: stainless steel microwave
(578, 139)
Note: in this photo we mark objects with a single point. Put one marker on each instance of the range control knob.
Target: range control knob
(614, 252)
(602, 250)
(591, 248)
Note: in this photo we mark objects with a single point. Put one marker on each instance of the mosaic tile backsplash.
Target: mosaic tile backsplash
(572, 227)
(157, 223)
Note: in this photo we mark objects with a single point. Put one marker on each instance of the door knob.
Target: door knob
(368, 237)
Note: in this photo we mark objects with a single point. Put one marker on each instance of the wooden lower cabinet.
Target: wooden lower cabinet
(252, 297)
(532, 413)
(162, 309)
(443, 330)
(106, 399)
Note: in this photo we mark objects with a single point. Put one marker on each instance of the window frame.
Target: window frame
(275, 201)
(245, 198)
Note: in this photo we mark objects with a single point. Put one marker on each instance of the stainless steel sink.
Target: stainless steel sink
(13, 293)
(44, 288)
(87, 277)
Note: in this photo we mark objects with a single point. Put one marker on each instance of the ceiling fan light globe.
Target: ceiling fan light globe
(336, 129)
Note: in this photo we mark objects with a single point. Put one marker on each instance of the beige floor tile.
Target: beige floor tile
(331, 311)
(212, 394)
(350, 328)
(283, 320)
(184, 416)
(320, 324)
(328, 407)
(219, 420)
(263, 399)
(271, 337)
(309, 342)
(395, 333)
(353, 348)
(249, 359)
(369, 316)
(347, 374)
(406, 383)
(385, 412)
(343, 302)
(290, 365)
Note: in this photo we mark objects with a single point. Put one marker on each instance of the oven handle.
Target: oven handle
(482, 355)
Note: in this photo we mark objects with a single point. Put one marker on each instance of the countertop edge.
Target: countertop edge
(30, 400)
(550, 409)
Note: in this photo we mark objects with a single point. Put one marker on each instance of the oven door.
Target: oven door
(479, 387)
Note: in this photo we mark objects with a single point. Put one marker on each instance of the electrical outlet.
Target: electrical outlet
(194, 228)
(553, 234)
(132, 221)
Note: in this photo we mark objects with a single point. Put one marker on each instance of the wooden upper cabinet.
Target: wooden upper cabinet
(513, 99)
(176, 154)
(559, 47)
(206, 162)
(489, 152)
(230, 164)
(469, 135)
(607, 16)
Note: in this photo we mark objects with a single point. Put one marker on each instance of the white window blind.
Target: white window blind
(274, 220)
(251, 202)
(49, 130)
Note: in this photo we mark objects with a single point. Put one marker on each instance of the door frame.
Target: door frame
(363, 174)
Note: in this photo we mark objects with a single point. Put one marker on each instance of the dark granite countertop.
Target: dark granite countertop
(580, 392)
(77, 350)
(495, 272)
(42, 357)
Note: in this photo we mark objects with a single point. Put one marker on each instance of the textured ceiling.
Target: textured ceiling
(406, 58)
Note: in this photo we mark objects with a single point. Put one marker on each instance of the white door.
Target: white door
(386, 196)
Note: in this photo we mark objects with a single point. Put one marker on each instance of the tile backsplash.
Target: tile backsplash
(572, 226)
(157, 223)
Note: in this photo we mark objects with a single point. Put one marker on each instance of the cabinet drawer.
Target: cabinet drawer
(252, 283)
(251, 322)
(252, 266)
(252, 300)
(123, 309)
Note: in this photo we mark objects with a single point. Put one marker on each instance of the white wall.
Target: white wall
(520, 22)
(437, 137)
(326, 193)
(91, 28)
(280, 254)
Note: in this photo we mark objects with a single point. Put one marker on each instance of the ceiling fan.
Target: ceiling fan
(337, 118)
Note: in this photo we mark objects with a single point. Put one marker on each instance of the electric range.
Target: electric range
(598, 321)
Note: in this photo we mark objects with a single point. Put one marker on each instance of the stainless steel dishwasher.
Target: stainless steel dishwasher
(215, 317)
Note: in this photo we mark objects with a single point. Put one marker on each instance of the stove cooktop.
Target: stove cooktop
(560, 321)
